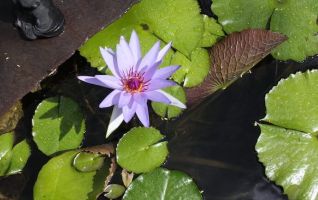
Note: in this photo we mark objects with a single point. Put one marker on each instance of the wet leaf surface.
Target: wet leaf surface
(25, 63)
(295, 19)
(88, 162)
(114, 191)
(140, 150)
(163, 184)
(58, 179)
(288, 146)
(58, 124)
(232, 57)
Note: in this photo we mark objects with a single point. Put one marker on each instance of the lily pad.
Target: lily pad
(212, 31)
(6, 144)
(20, 155)
(192, 72)
(58, 124)
(178, 21)
(288, 147)
(140, 150)
(58, 179)
(114, 191)
(168, 111)
(163, 184)
(87, 162)
(293, 18)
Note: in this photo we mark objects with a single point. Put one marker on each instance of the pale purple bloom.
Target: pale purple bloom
(135, 80)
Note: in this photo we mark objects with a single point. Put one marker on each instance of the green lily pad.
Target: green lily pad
(58, 124)
(168, 111)
(58, 179)
(288, 147)
(293, 18)
(114, 191)
(163, 184)
(20, 155)
(87, 162)
(140, 150)
(212, 31)
(178, 21)
(192, 72)
(6, 144)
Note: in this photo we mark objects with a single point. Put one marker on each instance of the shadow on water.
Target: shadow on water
(214, 143)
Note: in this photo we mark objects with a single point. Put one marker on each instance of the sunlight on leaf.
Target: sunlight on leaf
(58, 124)
(163, 184)
(288, 144)
(140, 150)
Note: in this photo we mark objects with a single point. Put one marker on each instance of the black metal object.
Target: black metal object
(38, 18)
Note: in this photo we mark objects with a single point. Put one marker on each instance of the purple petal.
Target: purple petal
(142, 114)
(151, 71)
(126, 49)
(110, 59)
(165, 72)
(110, 81)
(150, 57)
(111, 99)
(157, 96)
(129, 111)
(91, 80)
(173, 101)
(115, 120)
(124, 99)
(140, 98)
(123, 60)
(135, 46)
(155, 84)
(163, 52)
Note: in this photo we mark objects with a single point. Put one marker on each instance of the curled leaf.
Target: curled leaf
(126, 177)
(114, 191)
(232, 57)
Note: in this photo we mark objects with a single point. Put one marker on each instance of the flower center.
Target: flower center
(133, 82)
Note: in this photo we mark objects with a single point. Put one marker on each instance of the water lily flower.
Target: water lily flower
(134, 80)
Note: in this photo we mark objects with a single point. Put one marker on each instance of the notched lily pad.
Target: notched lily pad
(232, 57)
(163, 184)
(295, 19)
(58, 124)
(140, 150)
(288, 143)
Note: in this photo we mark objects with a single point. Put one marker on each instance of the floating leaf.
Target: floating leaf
(163, 184)
(192, 72)
(58, 124)
(88, 162)
(212, 31)
(6, 144)
(114, 191)
(288, 147)
(293, 18)
(178, 21)
(232, 57)
(12, 160)
(20, 155)
(140, 150)
(168, 111)
(59, 180)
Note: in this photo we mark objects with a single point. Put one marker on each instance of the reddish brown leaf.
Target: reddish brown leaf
(232, 57)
